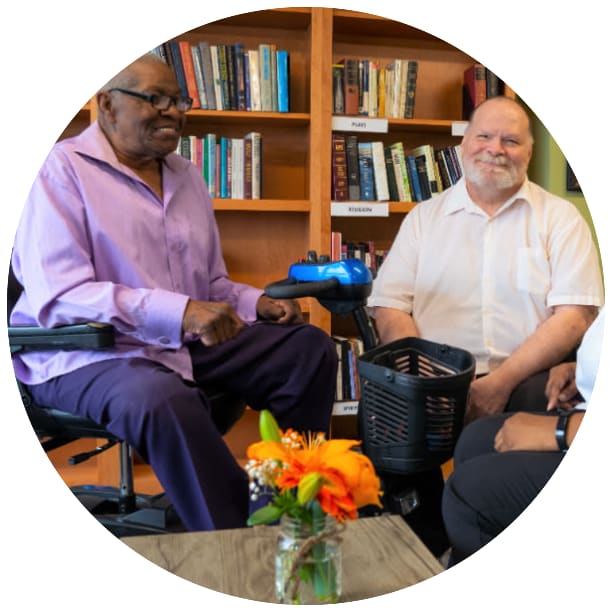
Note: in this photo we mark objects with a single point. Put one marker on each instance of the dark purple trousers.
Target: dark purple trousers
(288, 369)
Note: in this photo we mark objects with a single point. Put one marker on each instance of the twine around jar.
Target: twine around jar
(303, 551)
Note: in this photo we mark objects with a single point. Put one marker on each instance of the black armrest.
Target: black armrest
(67, 337)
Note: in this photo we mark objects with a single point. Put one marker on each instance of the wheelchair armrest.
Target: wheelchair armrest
(67, 337)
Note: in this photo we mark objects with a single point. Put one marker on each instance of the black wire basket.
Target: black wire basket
(412, 405)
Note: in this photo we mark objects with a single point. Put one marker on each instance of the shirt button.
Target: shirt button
(164, 340)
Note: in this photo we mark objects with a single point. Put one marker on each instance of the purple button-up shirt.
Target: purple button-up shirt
(95, 243)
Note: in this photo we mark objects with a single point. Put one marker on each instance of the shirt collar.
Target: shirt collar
(459, 199)
(93, 143)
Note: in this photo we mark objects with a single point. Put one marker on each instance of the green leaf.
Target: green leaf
(268, 427)
(264, 515)
(308, 488)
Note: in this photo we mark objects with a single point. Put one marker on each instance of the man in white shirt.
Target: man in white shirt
(495, 265)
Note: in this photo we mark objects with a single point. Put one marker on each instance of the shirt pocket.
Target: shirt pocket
(532, 271)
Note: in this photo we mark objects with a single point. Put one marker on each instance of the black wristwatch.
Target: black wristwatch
(561, 429)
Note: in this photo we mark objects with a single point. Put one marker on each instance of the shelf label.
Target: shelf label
(359, 124)
(458, 128)
(345, 408)
(360, 209)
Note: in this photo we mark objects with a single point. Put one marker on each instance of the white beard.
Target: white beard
(505, 177)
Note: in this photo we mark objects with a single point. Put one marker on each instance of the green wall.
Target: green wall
(548, 168)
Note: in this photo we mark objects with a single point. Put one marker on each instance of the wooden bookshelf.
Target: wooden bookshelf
(261, 238)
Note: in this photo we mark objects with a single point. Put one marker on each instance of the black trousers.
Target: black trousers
(428, 520)
(488, 490)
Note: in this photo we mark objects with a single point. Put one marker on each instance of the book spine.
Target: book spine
(401, 173)
(380, 172)
(417, 193)
(199, 75)
(237, 173)
(189, 71)
(224, 76)
(282, 77)
(411, 84)
(339, 168)
(238, 62)
(391, 180)
(177, 65)
(338, 89)
(214, 56)
(265, 77)
(351, 86)
(207, 70)
(366, 172)
(248, 168)
(352, 163)
(257, 172)
(254, 80)
(247, 81)
(273, 78)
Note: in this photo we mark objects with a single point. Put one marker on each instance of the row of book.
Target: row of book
(479, 84)
(366, 251)
(365, 87)
(371, 171)
(230, 77)
(231, 167)
(347, 381)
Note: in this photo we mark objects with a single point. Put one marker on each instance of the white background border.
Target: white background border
(556, 556)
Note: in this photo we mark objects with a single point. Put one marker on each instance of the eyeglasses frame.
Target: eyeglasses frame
(150, 98)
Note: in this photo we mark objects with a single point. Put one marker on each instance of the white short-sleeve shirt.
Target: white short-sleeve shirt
(485, 283)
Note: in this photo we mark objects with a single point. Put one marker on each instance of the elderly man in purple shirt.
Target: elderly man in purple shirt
(119, 229)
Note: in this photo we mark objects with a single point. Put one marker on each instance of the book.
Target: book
(199, 75)
(373, 89)
(210, 164)
(391, 180)
(256, 147)
(237, 168)
(474, 88)
(423, 178)
(207, 73)
(214, 57)
(265, 76)
(338, 89)
(415, 182)
(336, 246)
(339, 168)
(254, 79)
(224, 68)
(274, 77)
(247, 80)
(177, 66)
(240, 85)
(445, 174)
(282, 79)
(427, 151)
(351, 86)
(381, 184)
(352, 162)
(495, 85)
(401, 173)
(411, 83)
(189, 72)
(366, 171)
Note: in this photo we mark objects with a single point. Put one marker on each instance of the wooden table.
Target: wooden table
(379, 555)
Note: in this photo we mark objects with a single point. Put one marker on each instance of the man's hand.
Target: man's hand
(279, 311)
(561, 389)
(526, 431)
(213, 322)
(487, 395)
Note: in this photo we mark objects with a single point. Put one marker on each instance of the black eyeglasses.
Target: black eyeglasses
(159, 101)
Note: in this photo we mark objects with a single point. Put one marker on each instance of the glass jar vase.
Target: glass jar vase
(308, 561)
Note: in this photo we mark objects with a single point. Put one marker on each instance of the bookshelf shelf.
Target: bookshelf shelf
(249, 118)
(293, 206)
(296, 146)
